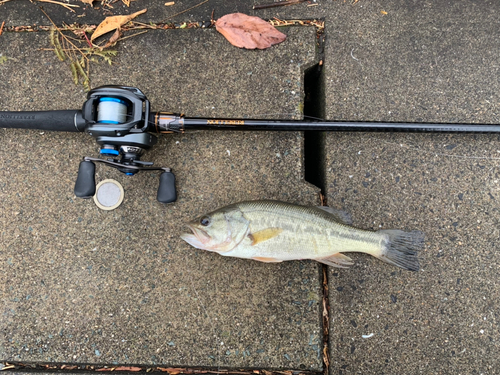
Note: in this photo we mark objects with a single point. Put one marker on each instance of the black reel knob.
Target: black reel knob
(166, 189)
(85, 182)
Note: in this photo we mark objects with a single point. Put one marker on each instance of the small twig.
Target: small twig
(141, 25)
(87, 39)
(278, 4)
(1, 27)
(322, 199)
(60, 32)
(67, 6)
(184, 11)
(130, 36)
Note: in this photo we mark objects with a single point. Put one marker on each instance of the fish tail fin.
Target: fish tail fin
(400, 248)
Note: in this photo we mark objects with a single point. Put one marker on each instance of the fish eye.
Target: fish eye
(205, 221)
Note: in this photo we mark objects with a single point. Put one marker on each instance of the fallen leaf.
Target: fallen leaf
(116, 35)
(248, 32)
(114, 22)
(171, 370)
(126, 368)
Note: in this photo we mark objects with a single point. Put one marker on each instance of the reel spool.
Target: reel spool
(111, 111)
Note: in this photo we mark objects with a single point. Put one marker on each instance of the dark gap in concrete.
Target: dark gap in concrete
(325, 319)
(314, 141)
(315, 173)
(87, 368)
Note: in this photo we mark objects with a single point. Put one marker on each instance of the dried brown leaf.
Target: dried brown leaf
(114, 22)
(116, 35)
(248, 32)
(128, 368)
(171, 370)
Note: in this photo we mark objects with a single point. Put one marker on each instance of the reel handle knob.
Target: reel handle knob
(85, 182)
(166, 189)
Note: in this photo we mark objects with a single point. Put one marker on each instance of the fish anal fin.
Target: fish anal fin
(336, 260)
(264, 235)
(267, 259)
(339, 215)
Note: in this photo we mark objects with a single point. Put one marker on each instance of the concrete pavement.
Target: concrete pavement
(80, 285)
(421, 62)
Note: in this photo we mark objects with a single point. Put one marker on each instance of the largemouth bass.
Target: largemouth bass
(272, 231)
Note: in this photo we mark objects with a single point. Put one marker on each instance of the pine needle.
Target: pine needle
(67, 6)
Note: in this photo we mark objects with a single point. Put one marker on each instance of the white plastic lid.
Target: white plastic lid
(109, 194)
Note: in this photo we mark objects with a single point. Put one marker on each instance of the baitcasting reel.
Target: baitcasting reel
(117, 117)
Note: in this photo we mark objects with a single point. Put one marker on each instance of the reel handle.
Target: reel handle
(85, 182)
(166, 189)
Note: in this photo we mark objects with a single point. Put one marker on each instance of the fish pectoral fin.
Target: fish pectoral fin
(264, 235)
(267, 259)
(336, 260)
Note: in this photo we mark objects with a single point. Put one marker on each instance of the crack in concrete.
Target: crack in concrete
(319, 24)
(128, 368)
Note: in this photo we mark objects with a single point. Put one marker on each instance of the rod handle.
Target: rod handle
(64, 121)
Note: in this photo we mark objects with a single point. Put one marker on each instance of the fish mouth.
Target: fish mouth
(197, 237)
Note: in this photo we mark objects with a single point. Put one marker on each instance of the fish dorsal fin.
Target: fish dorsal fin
(339, 215)
(336, 260)
(264, 235)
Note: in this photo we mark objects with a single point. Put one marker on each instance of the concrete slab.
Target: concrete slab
(416, 61)
(87, 286)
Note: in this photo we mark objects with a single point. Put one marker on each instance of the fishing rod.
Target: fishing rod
(120, 119)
